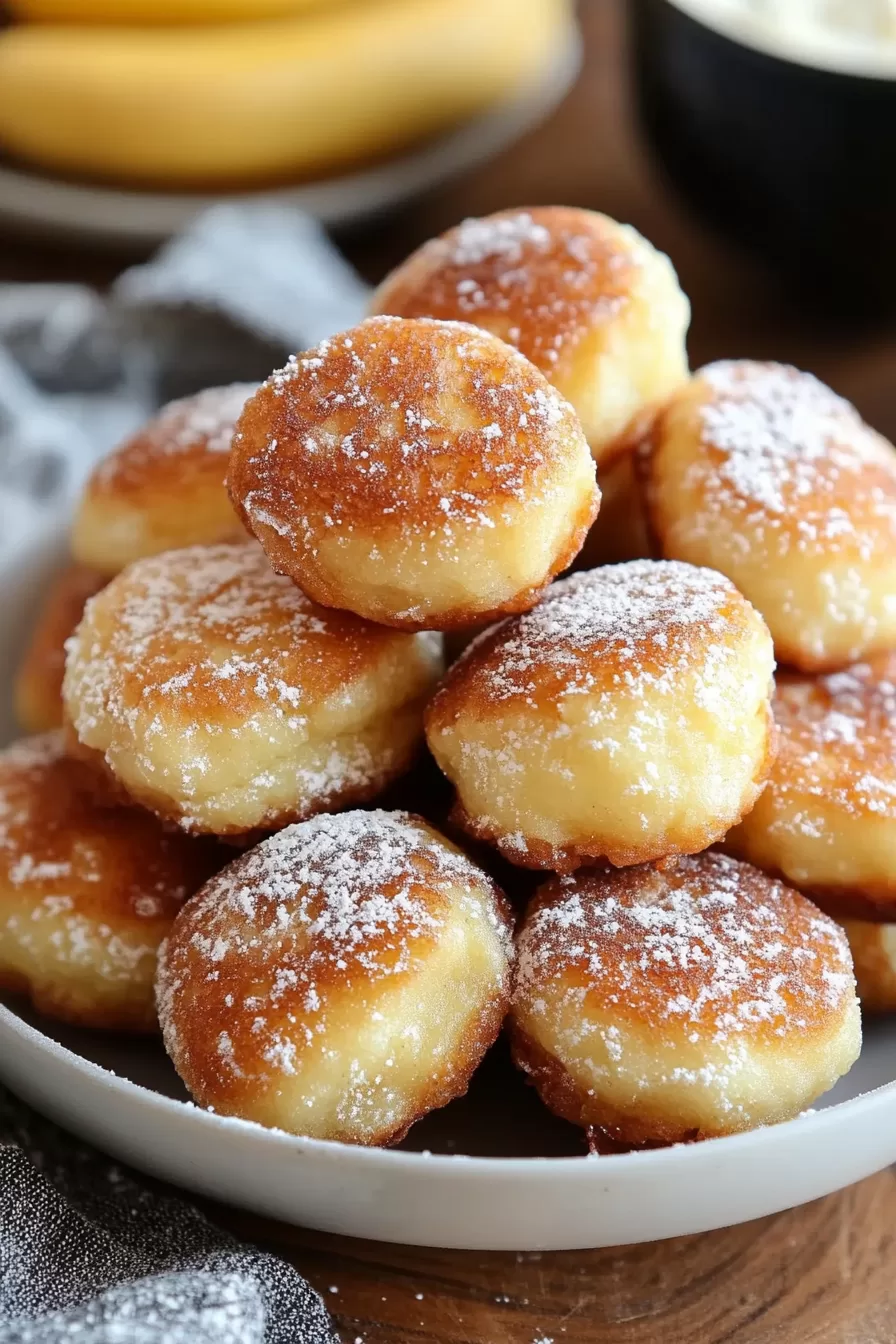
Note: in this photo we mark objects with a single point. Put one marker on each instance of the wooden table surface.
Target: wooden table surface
(824, 1273)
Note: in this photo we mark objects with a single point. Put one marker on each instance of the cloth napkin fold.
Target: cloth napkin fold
(87, 1251)
(228, 301)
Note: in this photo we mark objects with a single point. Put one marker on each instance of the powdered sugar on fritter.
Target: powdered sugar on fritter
(209, 647)
(645, 620)
(542, 280)
(427, 423)
(201, 423)
(709, 950)
(837, 748)
(503, 236)
(85, 891)
(794, 454)
(329, 907)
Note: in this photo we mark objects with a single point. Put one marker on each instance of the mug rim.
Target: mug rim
(851, 58)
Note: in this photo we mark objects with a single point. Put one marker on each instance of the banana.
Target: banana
(155, 11)
(266, 101)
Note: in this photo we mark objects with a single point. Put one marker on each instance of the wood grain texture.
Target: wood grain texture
(824, 1274)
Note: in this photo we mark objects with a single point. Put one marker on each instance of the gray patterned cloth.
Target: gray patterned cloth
(228, 301)
(88, 1252)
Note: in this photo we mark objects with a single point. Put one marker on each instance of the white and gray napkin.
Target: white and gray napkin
(88, 1252)
(228, 301)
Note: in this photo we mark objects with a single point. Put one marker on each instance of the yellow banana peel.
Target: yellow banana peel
(157, 11)
(268, 101)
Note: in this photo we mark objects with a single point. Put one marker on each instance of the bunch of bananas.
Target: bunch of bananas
(203, 92)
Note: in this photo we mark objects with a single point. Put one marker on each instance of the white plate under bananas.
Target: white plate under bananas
(127, 132)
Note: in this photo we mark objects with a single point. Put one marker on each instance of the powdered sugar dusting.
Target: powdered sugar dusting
(649, 619)
(837, 748)
(413, 429)
(608, 681)
(794, 454)
(22, 766)
(203, 422)
(197, 618)
(339, 901)
(87, 890)
(708, 946)
(341, 880)
(541, 279)
(209, 644)
(504, 236)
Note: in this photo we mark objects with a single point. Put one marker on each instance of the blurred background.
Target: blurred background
(753, 140)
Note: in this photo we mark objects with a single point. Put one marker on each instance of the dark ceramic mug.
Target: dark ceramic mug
(796, 161)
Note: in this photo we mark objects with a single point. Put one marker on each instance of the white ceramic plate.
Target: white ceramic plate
(145, 218)
(123, 1095)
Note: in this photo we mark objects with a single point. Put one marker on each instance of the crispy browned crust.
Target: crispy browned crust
(839, 494)
(200, 601)
(565, 1098)
(455, 384)
(874, 966)
(175, 450)
(533, 685)
(572, 955)
(38, 687)
(52, 811)
(336, 648)
(452, 1082)
(807, 767)
(468, 685)
(682, 415)
(171, 476)
(462, 618)
(592, 959)
(482, 1032)
(114, 866)
(874, 903)
(575, 273)
(200, 1012)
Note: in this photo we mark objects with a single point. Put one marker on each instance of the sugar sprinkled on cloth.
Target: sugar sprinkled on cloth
(89, 1252)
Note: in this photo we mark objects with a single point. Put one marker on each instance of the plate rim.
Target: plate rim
(656, 1159)
(123, 215)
